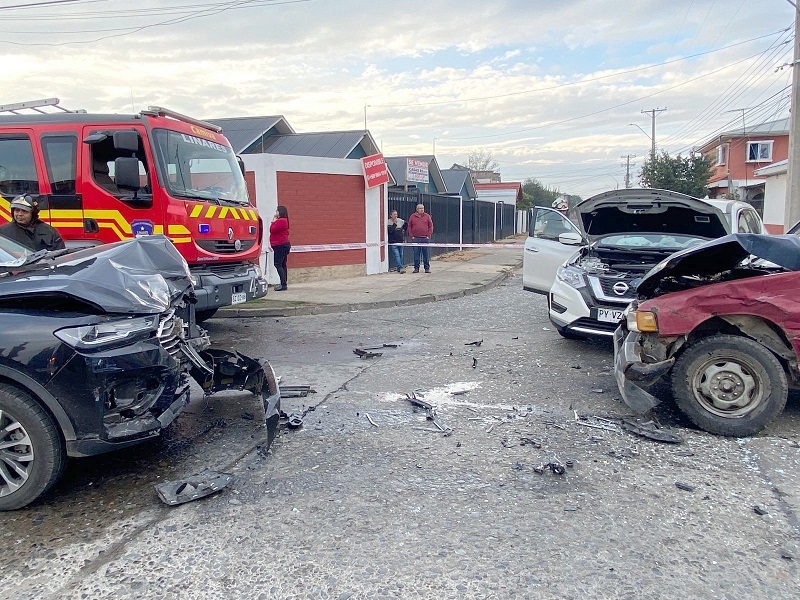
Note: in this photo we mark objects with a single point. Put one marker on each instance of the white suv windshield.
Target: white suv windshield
(652, 241)
(198, 168)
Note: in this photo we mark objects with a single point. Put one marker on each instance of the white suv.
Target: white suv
(590, 264)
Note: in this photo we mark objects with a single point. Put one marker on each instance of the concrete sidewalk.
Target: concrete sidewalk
(452, 275)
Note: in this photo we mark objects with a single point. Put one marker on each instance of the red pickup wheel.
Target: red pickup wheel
(729, 385)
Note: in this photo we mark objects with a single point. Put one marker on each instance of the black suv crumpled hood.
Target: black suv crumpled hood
(142, 275)
(648, 211)
(724, 254)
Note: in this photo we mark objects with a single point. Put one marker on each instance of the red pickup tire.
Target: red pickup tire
(729, 385)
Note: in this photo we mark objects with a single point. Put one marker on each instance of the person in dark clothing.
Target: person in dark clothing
(395, 229)
(25, 227)
(279, 240)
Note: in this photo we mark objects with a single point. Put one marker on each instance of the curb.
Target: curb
(324, 309)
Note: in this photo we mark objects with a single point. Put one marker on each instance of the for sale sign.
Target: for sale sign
(375, 171)
(417, 170)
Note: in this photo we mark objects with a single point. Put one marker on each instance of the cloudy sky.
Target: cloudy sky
(554, 90)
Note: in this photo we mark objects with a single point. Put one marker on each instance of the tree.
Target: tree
(687, 175)
(535, 194)
(482, 160)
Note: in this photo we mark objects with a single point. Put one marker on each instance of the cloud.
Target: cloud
(547, 87)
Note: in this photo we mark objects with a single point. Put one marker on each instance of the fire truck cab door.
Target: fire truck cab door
(113, 212)
(62, 205)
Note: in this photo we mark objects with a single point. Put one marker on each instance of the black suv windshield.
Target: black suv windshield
(197, 168)
(13, 254)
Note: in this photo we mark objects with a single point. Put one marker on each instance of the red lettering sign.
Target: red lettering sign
(375, 171)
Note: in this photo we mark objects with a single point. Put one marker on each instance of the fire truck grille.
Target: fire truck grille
(224, 246)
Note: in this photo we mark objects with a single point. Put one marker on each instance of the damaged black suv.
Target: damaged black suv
(94, 356)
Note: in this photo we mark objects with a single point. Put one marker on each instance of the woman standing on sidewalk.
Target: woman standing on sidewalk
(279, 240)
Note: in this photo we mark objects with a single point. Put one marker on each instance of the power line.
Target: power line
(603, 110)
(46, 3)
(205, 12)
(581, 82)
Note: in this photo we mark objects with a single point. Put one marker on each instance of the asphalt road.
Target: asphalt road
(370, 500)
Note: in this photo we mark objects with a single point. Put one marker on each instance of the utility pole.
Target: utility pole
(792, 205)
(653, 112)
(628, 158)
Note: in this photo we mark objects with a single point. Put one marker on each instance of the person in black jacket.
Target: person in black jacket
(25, 227)
(395, 229)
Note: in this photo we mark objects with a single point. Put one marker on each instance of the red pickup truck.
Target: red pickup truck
(721, 321)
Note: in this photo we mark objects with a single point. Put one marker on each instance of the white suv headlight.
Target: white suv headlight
(572, 276)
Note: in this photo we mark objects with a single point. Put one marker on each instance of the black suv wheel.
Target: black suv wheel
(31, 452)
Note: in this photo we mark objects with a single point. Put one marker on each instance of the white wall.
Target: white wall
(266, 168)
(775, 201)
(505, 196)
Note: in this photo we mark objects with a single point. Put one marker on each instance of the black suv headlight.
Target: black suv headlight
(108, 333)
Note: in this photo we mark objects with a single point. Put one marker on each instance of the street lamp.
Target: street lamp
(642, 130)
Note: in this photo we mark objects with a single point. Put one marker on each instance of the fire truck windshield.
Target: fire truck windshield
(197, 168)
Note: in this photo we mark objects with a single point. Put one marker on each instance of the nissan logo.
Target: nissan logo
(230, 237)
(620, 288)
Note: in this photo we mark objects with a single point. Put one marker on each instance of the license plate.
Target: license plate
(242, 297)
(606, 315)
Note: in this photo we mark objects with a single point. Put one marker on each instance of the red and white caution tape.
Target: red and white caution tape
(364, 245)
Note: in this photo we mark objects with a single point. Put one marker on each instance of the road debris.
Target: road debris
(478, 343)
(370, 419)
(295, 391)
(651, 431)
(362, 353)
(554, 465)
(295, 421)
(474, 362)
(760, 511)
(684, 486)
(197, 486)
(430, 412)
(526, 441)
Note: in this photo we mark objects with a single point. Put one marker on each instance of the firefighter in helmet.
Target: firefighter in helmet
(561, 206)
(26, 229)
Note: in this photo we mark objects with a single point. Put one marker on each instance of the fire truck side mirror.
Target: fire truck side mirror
(241, 163)
(127, 141)
(126, 173)
(93, 138)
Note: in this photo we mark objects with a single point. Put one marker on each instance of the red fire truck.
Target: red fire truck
(101, 178)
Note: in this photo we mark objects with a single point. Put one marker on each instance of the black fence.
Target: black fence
(483, 222)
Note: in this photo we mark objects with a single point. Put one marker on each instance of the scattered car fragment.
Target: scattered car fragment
(96, 352)
(192, 488)
(722, 322)
(430, 412)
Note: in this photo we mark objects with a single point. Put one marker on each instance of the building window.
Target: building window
(759, 151)
(721, 154)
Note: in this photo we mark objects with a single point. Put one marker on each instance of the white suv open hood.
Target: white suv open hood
(648, 211)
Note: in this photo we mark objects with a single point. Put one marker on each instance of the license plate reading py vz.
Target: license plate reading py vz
(606, 315)
(238, 298)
